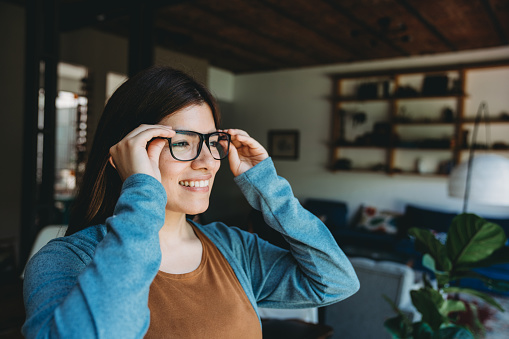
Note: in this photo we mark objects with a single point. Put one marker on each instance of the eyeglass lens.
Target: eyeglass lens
(186, 145)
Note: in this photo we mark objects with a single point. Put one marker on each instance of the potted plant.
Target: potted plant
(472, 242)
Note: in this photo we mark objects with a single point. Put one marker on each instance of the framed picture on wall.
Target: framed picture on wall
(284, 144)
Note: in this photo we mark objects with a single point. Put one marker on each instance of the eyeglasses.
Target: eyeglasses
(187, 145)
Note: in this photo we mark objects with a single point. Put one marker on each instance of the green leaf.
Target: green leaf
(453, 332)
(425, 242)
(429, 262)
(471, 239)
(428, 302)
(496, 285)
(421, 330)
(442, 279)
(425, 279)
(475, 293)
(398, 327)
(451, 306)
(500, 256)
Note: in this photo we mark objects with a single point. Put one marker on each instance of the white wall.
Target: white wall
(297, 99)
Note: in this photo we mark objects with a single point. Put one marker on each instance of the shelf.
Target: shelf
(403, 148)
(433, 135)
(356, 99)
(442, 96)
(423, 122)
(492, 121)
(361, 146)
(417, 97)
(360, 170)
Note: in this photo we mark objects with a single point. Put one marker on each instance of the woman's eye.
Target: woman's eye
(213, 144)
(179, 144)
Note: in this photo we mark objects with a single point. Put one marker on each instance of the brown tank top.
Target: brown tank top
(208, 302)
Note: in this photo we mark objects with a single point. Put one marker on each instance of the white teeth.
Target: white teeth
(200, 183)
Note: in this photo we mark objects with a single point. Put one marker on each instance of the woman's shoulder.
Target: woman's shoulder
(79, 246)
(90, 236)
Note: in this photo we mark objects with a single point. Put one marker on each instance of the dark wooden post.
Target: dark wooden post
(141, 39)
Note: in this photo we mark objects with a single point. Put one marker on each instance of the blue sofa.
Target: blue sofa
(397, 247)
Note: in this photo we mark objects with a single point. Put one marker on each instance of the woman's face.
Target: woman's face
(188, 183)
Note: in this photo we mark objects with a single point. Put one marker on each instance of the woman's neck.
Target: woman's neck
(181, 249)
(176, 228)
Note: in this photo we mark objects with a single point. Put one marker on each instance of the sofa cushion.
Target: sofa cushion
(427, 218)
(374, 220)
(332, 213)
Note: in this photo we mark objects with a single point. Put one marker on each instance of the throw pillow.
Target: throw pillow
(378, 221)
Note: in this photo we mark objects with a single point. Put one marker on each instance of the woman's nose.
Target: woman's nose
(205, 159)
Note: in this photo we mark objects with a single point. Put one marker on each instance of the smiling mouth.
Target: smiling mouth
(197, 183)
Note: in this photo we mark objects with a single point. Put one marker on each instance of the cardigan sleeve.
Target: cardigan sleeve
(315, 272)
(78, 287)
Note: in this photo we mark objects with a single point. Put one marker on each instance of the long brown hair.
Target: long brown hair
(146, 98)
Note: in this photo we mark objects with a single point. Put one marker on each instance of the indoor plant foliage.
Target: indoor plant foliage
(472, 242)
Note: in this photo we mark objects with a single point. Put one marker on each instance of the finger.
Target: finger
(142, 130)
(155, 148)
(233, 131)
(145, 137)
(236, 131)
(240, 140)
(233, 159)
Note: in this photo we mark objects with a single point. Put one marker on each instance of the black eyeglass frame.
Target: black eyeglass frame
(203, 138)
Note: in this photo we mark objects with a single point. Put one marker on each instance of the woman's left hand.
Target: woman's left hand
(245, 152)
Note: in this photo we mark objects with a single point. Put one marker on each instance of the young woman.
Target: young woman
(133, 266)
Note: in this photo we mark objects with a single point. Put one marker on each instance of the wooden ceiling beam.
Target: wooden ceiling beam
(435, 31)
(496, 23)
(211, 43)
(80, 14)
(200, 46)
(350, 16)
(282, 43)
(354, 52)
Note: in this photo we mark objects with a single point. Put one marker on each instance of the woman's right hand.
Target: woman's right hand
(131, 155)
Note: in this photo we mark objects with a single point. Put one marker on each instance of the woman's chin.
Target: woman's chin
(191, 210)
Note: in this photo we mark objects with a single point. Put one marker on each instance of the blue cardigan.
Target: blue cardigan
(95, 283)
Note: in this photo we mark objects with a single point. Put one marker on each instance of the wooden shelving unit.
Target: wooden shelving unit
(357, 95)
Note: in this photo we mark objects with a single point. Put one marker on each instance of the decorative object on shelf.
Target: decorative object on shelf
(445, 167)
(368, 90)
(425, 165)
(284, 144)
(358, 118)
(381, 133)
(447, 114)
(435, 84)
(406, 92)
(410, 108)
(343, 164)
(471, 243)
(484, 177)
